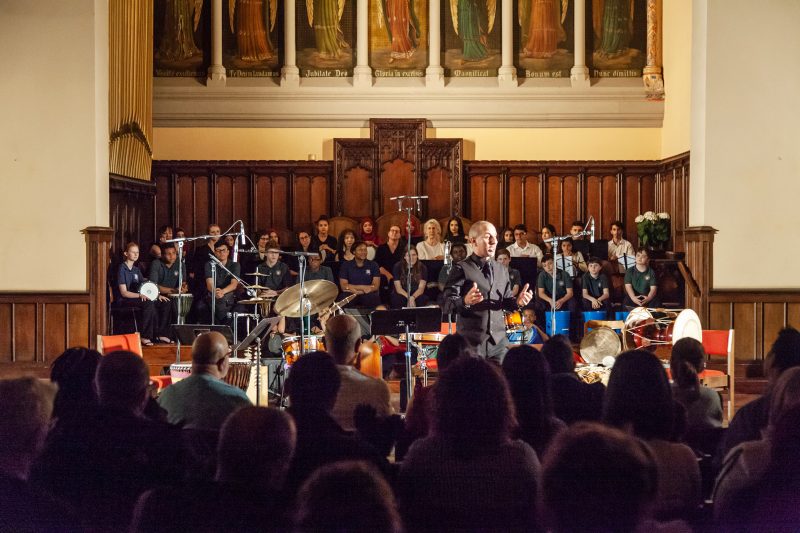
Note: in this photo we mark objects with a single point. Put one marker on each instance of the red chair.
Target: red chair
(718, 344)
(131, 342)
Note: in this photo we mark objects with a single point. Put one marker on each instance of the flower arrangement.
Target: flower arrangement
(653, 228)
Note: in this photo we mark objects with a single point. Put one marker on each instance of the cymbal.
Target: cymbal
(319, 293)
(259, 287)
(256, 274)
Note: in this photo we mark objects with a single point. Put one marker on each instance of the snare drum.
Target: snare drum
(291, 346)
(514, 321)
(149, 290)
(182, 304)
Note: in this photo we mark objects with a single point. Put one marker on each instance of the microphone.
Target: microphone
(591, 238)
(241, 234)
(419, 205)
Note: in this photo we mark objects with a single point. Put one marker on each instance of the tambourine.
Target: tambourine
(149, 290)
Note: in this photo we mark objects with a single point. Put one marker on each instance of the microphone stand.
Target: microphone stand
(415, 201)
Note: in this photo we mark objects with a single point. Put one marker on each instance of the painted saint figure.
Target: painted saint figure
(401, 25)
(181, 18)
(254, 20)
(542, 23)
(613, 26)
(473, 20)
(325, 17)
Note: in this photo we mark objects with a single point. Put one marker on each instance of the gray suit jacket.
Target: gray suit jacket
(483, 321)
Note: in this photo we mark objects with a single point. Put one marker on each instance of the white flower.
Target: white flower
(638, 219)
(663, 216)
(650, 216)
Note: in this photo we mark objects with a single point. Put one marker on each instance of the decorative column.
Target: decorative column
(434, 74)
(579, 75)
(507, 74)
(290, 74)
(653, 81)
(362, 74)
(216, 72)
(98, 253)
(700, 263)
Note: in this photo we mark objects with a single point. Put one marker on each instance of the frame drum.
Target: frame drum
(598, 344)
(149, 290)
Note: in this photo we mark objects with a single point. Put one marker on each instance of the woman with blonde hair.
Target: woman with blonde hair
(431, 246)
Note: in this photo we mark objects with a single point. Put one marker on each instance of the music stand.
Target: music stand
(396, 321)
(255, 336)
(627, 261)
(566, 264)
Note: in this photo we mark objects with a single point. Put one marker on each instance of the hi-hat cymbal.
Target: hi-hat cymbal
(256, 301)
(259, 287)
(257, 274)
(319, 294)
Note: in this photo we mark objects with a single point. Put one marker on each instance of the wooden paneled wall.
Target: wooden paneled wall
(35, 328)
(557, 192)
(131, 204)
(757, 316)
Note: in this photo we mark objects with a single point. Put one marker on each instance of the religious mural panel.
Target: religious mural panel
(181, 37)
(619, 38)
(326, 38)
(398, 38)
(545, 40)
(471, 38)
(252, 38)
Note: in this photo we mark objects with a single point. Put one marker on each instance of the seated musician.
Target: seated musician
(389, 254)
(458, 252)
(578, 262)
(618, 247)
(324, 242)
(129, 280)
(595, 288)
(202, 255)
(530, 334)
(224, 292)
(276, 274)
(503, 257)
(316, 270)
(521, 247)
(579, 243)
(362, 277)
(564, 294)
(641, 285)
(548, 232)
(164, 273)
(304, 244)
(417, 277)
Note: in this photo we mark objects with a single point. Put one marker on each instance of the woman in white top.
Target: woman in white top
(431, 247)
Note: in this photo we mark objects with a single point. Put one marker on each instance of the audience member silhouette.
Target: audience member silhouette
(469, 474)
(73, 371)
(639, 400)
(596, 478)
(312, 386)
(746, 464)
(347, 496)
(102, 466)
(753, 417)
(26, 406)
(573, 400)
(528, 377)
(255, 448)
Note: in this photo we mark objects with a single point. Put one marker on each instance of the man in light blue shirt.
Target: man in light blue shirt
(203, 400)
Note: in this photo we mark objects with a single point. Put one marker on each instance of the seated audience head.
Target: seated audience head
(642, 257)
(394, 233)
(784, 354)
(638, 397)
(595, 265)
(304, 240)
(347, 496)
(548, 231)
(458, 252)
(597, 478)
(566, 246)
(262, 238)
(313, 382)
(274, 236)
(26, 405)
(180, 232)
(164, 233)
(785, 395)
(73, 371)
(169, 253)
(342, 336)
(131, 252)
(558, 352)
(547, 263)
(322, 224)
(503, 256)
(215, 231)
(432, 229)
(450, 349)
(576, 227)
(366, 228)
(122, 382)
(508, 236)
(528, 376)
(473, 408)
(686, 362)
(255, 447)
(210, 354)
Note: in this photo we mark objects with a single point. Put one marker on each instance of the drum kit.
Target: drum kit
(652, 329)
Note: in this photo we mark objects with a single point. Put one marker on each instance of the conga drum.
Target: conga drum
(182, 303)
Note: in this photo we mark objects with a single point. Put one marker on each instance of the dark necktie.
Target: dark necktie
(487, 271)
